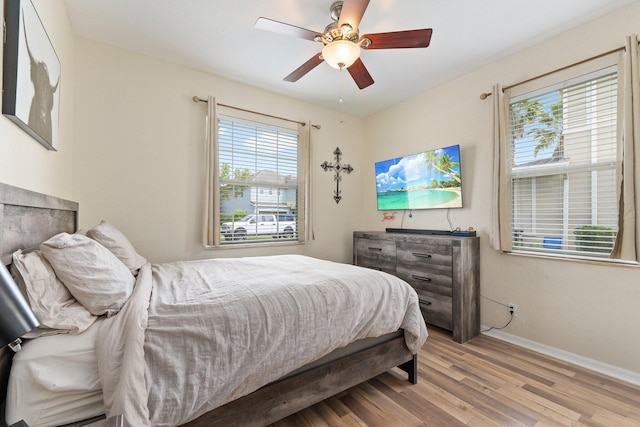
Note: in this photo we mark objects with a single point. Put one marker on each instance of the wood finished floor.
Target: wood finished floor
(484, 382)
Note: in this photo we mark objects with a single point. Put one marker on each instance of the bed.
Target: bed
(270, 384)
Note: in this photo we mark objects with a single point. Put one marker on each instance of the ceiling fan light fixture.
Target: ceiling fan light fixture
(341, 53)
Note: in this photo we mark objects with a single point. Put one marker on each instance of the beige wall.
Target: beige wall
(139, 145)
(23, 161)
(589, 310)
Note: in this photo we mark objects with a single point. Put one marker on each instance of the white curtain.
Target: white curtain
(627, 246)
(500, 236)
(211, 191)
(305, 230)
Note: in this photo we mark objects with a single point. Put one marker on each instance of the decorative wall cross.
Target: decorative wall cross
(337, 167)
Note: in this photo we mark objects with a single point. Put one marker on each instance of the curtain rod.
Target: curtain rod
(198, 99)
(485, 95)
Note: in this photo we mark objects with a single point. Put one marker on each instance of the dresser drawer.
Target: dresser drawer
(436, 309)
(432, 257)
(376, 254)
(427, 279)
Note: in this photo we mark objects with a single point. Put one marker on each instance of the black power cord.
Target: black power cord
(495, 327)
(511, 313)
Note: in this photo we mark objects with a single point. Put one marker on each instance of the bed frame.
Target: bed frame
(28, 218)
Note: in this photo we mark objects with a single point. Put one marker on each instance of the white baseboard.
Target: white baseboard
(594, 365)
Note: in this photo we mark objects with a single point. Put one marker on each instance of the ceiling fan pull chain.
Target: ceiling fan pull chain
(341, 101)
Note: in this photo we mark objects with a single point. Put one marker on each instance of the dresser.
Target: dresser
(444, 270)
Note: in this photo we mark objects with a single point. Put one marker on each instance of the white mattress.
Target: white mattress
(54, 380)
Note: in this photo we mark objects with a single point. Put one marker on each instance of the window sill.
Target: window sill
(253, 245)
(593, 261)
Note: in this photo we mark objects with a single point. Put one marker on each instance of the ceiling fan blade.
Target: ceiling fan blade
(352, 12)
(360, 74)
(304, 68)
(399, 39)
(285, 29)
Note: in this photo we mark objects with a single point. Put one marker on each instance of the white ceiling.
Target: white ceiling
(219, 37)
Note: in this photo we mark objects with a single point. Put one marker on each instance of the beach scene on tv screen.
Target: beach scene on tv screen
(425, 180)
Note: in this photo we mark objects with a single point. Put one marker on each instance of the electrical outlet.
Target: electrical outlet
(513, 309)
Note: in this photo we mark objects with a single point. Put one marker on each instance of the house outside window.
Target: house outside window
(563, 167)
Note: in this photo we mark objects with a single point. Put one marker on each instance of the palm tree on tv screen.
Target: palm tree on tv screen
(442, 163)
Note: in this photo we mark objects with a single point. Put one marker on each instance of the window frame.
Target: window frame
(542, 172)
(213, 237)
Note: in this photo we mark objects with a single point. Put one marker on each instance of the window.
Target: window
(258, 191)
(563, 167)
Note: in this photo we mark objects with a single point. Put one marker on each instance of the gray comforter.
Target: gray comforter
(198, 334)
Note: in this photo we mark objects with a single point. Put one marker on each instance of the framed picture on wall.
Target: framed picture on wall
(32, 74)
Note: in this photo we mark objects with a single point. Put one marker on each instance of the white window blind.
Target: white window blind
(563, 167)
(258, 180)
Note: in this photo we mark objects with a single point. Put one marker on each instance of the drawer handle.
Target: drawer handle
(419, 255)
(422, 278)
(426, 302)
(372, 248)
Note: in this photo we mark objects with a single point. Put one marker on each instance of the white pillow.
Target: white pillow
(93, 275)
(56, 309)
(114, 240)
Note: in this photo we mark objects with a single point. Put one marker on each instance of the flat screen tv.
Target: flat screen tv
(427, 180)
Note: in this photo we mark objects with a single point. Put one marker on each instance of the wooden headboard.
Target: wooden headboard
(27, 219)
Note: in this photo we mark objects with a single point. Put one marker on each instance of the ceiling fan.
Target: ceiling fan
(342, 42)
